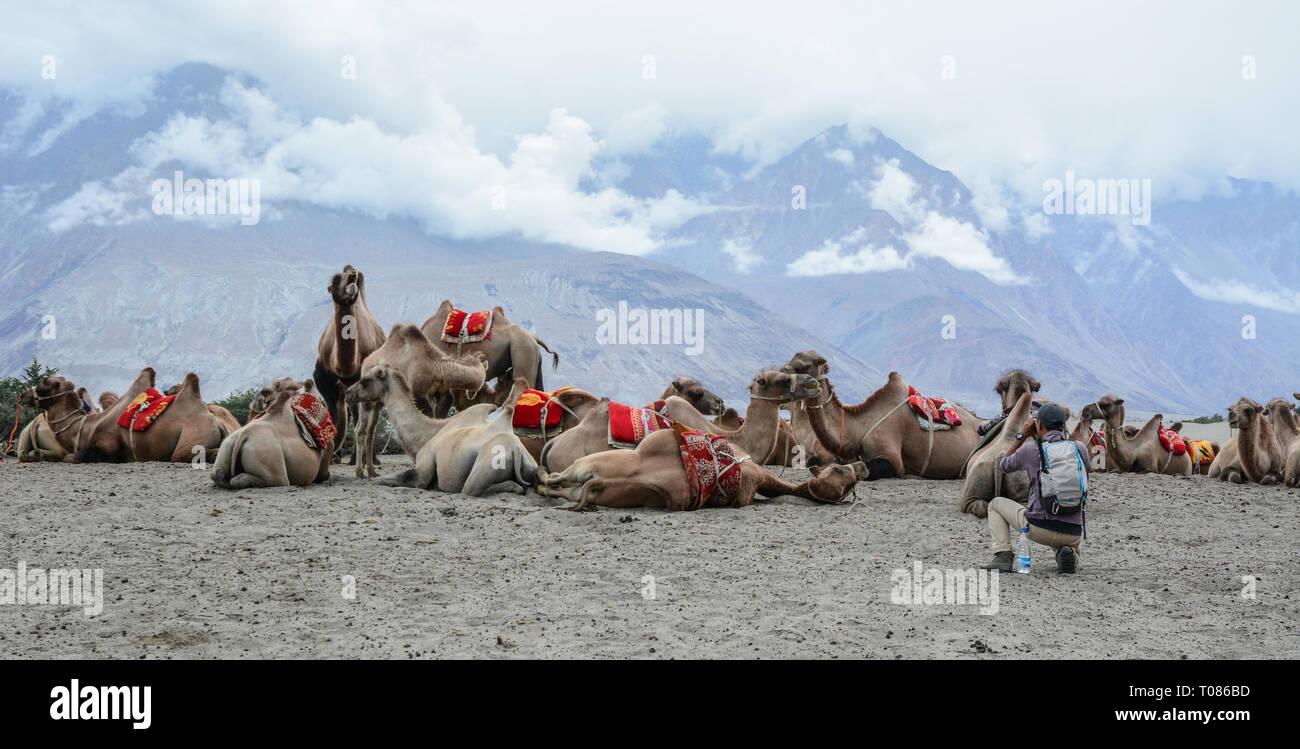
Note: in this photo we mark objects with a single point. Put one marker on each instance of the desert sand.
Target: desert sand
(192, 571)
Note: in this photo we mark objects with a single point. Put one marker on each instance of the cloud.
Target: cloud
(894, 192)
(1232, 291)
(742, 251)
(842, 155)
(848, 254)
(635, 131)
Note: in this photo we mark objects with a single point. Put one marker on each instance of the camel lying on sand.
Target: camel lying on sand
(984, 480)
(177, 435)
(1282, 416)
(653, 475)
(349, 337)
(757, 436)
(1253, 453)
(474, 452)
(574, 405)
(429, 372)
(1291, 470)
(883, 430)
(510, 352)
(37, 442)
(270, 450)
(1142, 452)
(704, 401)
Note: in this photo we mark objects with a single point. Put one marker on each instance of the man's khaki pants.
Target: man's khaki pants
(1006, 515)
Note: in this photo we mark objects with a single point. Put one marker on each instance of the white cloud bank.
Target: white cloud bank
(1233, 291)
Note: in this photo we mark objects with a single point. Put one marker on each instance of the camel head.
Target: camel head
(775, 385)
(830, 484)
(48, 391)
(704, 401)
(373, 384)
(1244, 413)
(1014, 384)
(1108, 408)
(807, 362)
(345, 287)
(1091, 412)
(263, 398)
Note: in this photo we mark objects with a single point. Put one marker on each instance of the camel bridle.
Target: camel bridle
(76, 444)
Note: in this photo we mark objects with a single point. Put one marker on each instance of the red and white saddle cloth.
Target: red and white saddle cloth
(712, 470)
(1098, 440)
(144, 410)
(932, 410)
(464, 327)
(628, 425)
(1172, 441)
(536, 411)
(314, 422)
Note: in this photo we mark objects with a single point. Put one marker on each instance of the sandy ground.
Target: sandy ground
(196, 572)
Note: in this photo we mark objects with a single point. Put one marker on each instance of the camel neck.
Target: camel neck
(346, 346)
(760, 429)
(414, 429)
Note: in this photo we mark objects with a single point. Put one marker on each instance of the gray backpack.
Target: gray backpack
(1063, 480)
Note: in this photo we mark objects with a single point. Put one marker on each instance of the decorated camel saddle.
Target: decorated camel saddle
(144, 410)
(313, 419)
(932, 413)
(538, 414)
(1202, 451)
(628, 425)
(712, 470)
(466, 327)
(1171, 441)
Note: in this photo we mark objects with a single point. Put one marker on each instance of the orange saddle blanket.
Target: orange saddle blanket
(932, 409)
(1202, 451)
(534, 410)
(144, 410)
(464, 327)
(314, 422)
(628, 425)
(712, 470)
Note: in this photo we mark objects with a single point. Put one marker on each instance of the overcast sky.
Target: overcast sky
(530, 92)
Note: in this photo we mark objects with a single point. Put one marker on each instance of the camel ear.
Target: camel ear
(1035, 385)
(677, 385)
(1119, 402)
(820, 360)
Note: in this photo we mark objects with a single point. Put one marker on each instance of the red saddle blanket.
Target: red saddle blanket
(628, 425)
(712, 471)
(313, 419)
(1202, 451)
(533, 410)
(1099, 440)
(144, 410)
(464, 327)
(934, 409)
(1172, 441)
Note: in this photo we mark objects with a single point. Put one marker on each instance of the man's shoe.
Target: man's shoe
(1065, 559)
(1001, 562)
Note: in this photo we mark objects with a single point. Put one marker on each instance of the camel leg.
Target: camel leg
(261, 469)
(482, 477)
(361, 436)
(371, 458)
(620, 493)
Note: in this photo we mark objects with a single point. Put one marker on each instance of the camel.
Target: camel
(757, 436)
(704, 401)
(1083, 432)
(428, 371)
(983, 480)
(653, 475)
(1141, 452)
(510, 352)
(788, 452)
(1291, 471)
(177, 435)
(1253, 453)
(814, 364)
(474, 452)
(270, 450)
(575, 404)
(37, 442)
(883, 431)
(1286, 430)
(351, 336)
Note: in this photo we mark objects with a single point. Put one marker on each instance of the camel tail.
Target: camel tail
(555, 358)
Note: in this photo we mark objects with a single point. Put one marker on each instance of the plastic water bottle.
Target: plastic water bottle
(1022, 552)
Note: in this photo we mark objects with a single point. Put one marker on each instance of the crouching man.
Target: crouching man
(1058, 483)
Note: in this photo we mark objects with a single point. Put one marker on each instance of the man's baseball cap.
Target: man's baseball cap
(1052, 416)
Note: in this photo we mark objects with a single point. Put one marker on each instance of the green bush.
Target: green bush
(1211, 419)
(10, 388)
(237, 403)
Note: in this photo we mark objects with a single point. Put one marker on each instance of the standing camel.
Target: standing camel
(351, 335)
(511, 351)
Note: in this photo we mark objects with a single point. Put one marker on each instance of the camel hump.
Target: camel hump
(189, 387)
